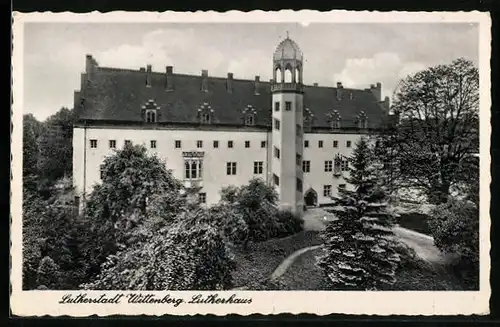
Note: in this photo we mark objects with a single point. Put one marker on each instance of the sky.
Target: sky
(355, 54)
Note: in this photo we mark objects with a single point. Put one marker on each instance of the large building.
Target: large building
(219, 131)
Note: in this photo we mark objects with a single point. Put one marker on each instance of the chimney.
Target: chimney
(204, 81)
(339, 91)
(170, 78)
(377, 91)
(90, 66)
(229, 83)
(257, 85)
(148, 76)
(315, 84)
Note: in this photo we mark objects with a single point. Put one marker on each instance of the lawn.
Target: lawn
(256, 265)
(413, 275)
(414, 221)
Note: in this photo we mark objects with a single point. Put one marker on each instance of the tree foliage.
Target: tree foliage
(359, 248)
(56, 147)
(438, 128)
(455, 228)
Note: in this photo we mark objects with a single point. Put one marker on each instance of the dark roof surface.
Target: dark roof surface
(119, 95)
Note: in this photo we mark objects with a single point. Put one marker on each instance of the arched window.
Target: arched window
(288, 74)
(249, 119)
(279, 77)
(205, 118)
(151, 116)
(297, 75)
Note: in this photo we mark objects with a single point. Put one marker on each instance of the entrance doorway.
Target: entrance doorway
(311, 198)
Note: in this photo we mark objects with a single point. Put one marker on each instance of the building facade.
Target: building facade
(215, 132)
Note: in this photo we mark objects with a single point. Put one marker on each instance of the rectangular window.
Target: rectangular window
(247, 144)
(112, 144)
(306, 144)
(348, 144)
(298, 159)
(177, 144)
(93, 143)
(128, 142)
(306, 166)
(288, 105)
(276, 180)
(320, 144)
(216, 144)
(327, 190)
(230, 144)
(153, 144)
(328, 166)
(258, 167)
(262, 144)
(276, 124)
(299, 185)
(335, 144)
(202, 197)
(345, 165)
(231, 168)
(276, 106)
(199, 144)
(298, 130)
(192, 169)
(276, 152)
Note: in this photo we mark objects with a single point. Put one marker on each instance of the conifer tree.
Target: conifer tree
(358, 245)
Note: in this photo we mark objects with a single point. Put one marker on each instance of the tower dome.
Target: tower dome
(287, 49)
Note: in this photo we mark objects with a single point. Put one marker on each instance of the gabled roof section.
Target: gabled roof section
(110, 94)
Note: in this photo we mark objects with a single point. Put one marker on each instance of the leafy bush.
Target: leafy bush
(191, 254)
(48, 274)
(455, 228)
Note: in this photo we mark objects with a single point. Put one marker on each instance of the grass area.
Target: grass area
(413, 275)
(256, 265)
(414, 221)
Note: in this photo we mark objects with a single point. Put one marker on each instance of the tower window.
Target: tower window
(276, 106)
(93, 143)
(276, 180)
(306, 166)
(249, 120)
(298, 130)
(205, 118)
(177, 144)
(298, 159)
(276, 152)
(288, 106)
(276, 124)
(299, 185)
(231, 168)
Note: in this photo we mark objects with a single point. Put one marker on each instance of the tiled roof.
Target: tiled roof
(119, 95)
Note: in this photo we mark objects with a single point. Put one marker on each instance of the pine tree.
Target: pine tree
(358, 245)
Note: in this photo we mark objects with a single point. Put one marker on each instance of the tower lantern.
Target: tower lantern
(287, 130)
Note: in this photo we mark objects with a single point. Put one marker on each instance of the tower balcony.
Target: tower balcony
(287, 87)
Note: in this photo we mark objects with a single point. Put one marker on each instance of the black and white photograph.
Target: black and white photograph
(225, 157)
